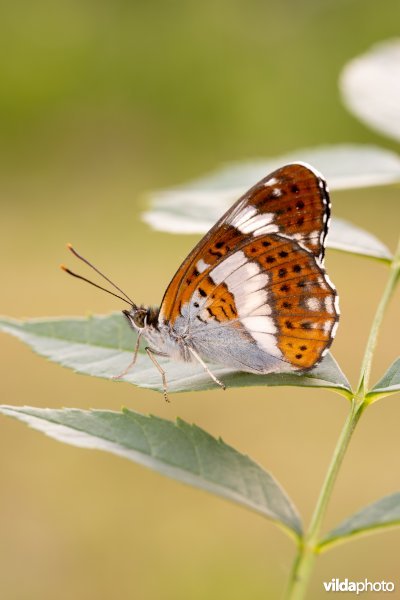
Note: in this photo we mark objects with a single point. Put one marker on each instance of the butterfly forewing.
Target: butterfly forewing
(292, 201)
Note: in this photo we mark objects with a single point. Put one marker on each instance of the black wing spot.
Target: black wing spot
(300, 204)
(286, 305)
(297, 268)
(196, 304)
(306, 325)
(289, 324)
(217, 254)
(266, 244)
(219, 244)
(202, 292)
(285, 288)
(282, 272)
(283, 254)
(294, 189)
(270, 259)
(224, 311)
(303, 347)
(299, 356)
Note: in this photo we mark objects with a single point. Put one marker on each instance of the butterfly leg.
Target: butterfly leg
(151, 354)
(128, 368)
(203, 364)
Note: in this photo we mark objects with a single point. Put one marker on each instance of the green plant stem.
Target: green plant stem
(380, 312)
(309, 545)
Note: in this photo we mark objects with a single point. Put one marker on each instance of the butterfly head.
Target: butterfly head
(137, 317)
(141, 317)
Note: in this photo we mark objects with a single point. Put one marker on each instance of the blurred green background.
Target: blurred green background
(101, 102)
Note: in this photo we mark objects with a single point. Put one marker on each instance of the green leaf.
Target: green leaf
(381, 514)
(389, 384)
(177, 450)
(102, 346)
(370, 87)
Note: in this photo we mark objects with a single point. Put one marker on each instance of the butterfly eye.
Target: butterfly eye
(139, 318)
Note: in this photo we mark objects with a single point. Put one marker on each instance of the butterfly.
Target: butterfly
(253, 294)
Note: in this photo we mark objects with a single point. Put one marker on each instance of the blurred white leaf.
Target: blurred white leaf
(348, 237)
(194, 207)
(370, 86)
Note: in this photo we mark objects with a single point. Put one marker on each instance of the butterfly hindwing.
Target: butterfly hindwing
(269, 292)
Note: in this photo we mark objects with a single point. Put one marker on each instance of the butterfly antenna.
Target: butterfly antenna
(64, 268)
(75, 253)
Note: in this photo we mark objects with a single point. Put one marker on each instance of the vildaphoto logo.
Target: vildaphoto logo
(345, 585)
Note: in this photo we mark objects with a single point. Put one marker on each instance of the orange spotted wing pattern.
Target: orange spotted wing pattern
(299, 200)
(301, 297)
(259, 272)
(274, 290)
